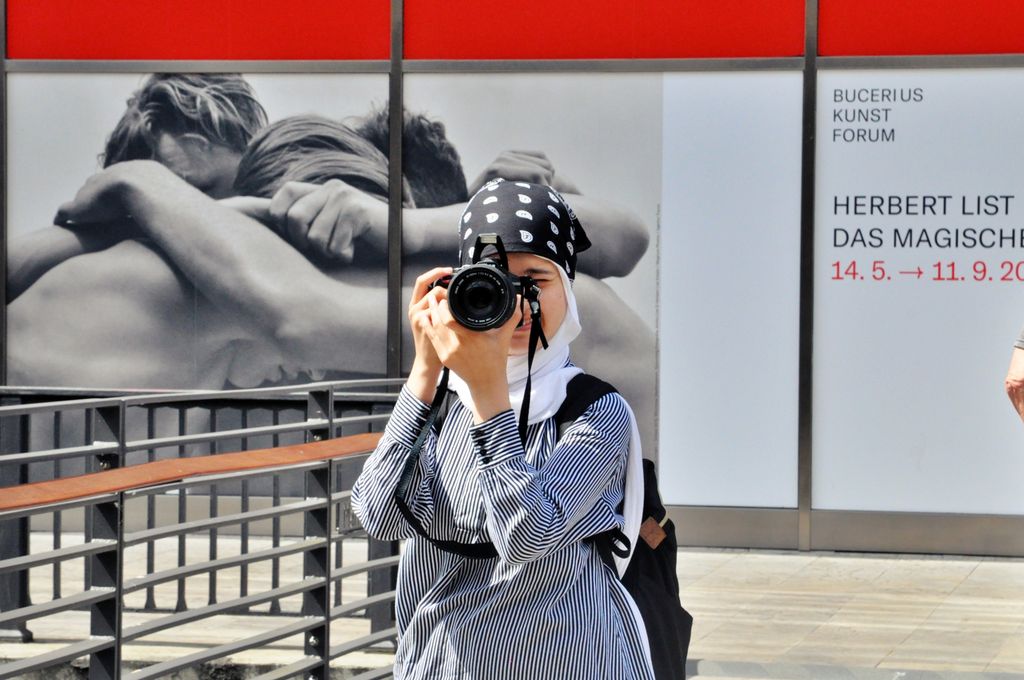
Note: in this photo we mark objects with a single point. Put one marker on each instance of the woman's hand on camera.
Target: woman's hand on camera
(426, 367)
(478, 357)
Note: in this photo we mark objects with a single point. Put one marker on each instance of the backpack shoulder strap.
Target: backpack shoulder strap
(581, 392)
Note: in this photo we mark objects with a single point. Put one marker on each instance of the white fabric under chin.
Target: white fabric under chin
(550, 372)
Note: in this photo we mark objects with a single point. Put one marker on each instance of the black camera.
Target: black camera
(482, 295)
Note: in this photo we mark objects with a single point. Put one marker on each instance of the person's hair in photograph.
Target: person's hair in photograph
(222, 107)
(310, 148)
(430, 163)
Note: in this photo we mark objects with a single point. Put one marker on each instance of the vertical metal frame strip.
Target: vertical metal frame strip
(3, 194)
(807, 187)
(395, 119)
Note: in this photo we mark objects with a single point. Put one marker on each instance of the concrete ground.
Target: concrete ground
(832, 615)
(779, 615)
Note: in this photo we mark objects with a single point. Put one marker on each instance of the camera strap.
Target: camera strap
(582, 391)
(536, 332)
(471, 550)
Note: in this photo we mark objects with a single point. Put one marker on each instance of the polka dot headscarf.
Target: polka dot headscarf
(529, 218)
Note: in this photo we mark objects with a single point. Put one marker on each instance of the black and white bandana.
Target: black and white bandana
(529, 218)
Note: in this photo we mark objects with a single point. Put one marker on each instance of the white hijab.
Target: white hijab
(551, 375)
(550, 372)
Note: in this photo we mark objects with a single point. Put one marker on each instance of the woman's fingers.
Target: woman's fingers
(424, 280)
(423, 303)
(434, 326)
(434, 307)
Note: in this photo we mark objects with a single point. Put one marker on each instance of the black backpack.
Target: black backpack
(650, 578)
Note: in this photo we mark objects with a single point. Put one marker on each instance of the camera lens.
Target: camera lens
(482, 296)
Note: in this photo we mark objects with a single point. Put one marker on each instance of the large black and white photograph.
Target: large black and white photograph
(209, 231)
(175, 231)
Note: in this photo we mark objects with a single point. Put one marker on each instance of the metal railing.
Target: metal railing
(275, 519)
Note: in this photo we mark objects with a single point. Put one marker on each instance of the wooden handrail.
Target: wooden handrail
(177, 469)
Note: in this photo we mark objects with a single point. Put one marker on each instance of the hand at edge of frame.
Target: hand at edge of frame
(1015, 381)
(523, 166)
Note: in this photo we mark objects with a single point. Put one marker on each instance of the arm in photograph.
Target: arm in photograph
(338, 223)
(619, 236)
(33, 254)
(335, 221)
(617, 346)
(244, 267)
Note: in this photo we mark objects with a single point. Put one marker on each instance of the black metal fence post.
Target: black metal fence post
(316, 602)
(109, 427)
(14, 537)
(105, 615)
(180, 604)
(320, 404)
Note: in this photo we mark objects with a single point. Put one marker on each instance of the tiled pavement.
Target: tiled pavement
(869, 617)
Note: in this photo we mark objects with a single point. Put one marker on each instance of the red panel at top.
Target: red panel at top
(909, 27)
(198, 29)
(603, 29)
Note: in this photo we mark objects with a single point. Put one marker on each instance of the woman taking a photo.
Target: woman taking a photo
(544, 605)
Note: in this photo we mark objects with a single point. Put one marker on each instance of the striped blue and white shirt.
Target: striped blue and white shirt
(547, 607)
